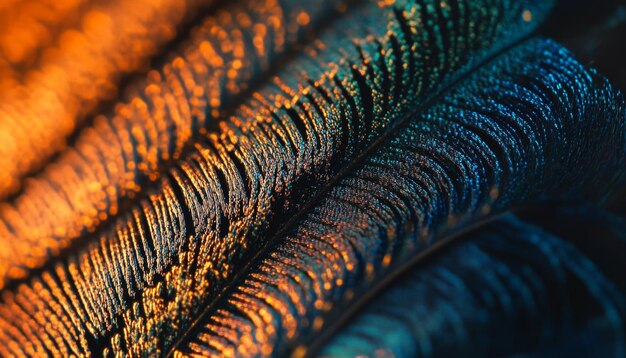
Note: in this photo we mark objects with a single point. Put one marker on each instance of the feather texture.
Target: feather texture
(136, 285)
(509, 289)
(122, 152)
(533, 123)
(72, 72)
(251, 191)
(599, 234)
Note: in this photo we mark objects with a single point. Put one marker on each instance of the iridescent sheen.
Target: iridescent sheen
(124, 151)
(139, 282)
(533, 123)
(288, 159)
(509, 288)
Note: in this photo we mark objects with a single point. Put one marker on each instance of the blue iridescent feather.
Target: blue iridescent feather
(533, 124)
(509, 288)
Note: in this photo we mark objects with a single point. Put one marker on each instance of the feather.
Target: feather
(95, 46)
(599, 234)
(124, 151)
(508, 288)
(137, 285)
(531, 125)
